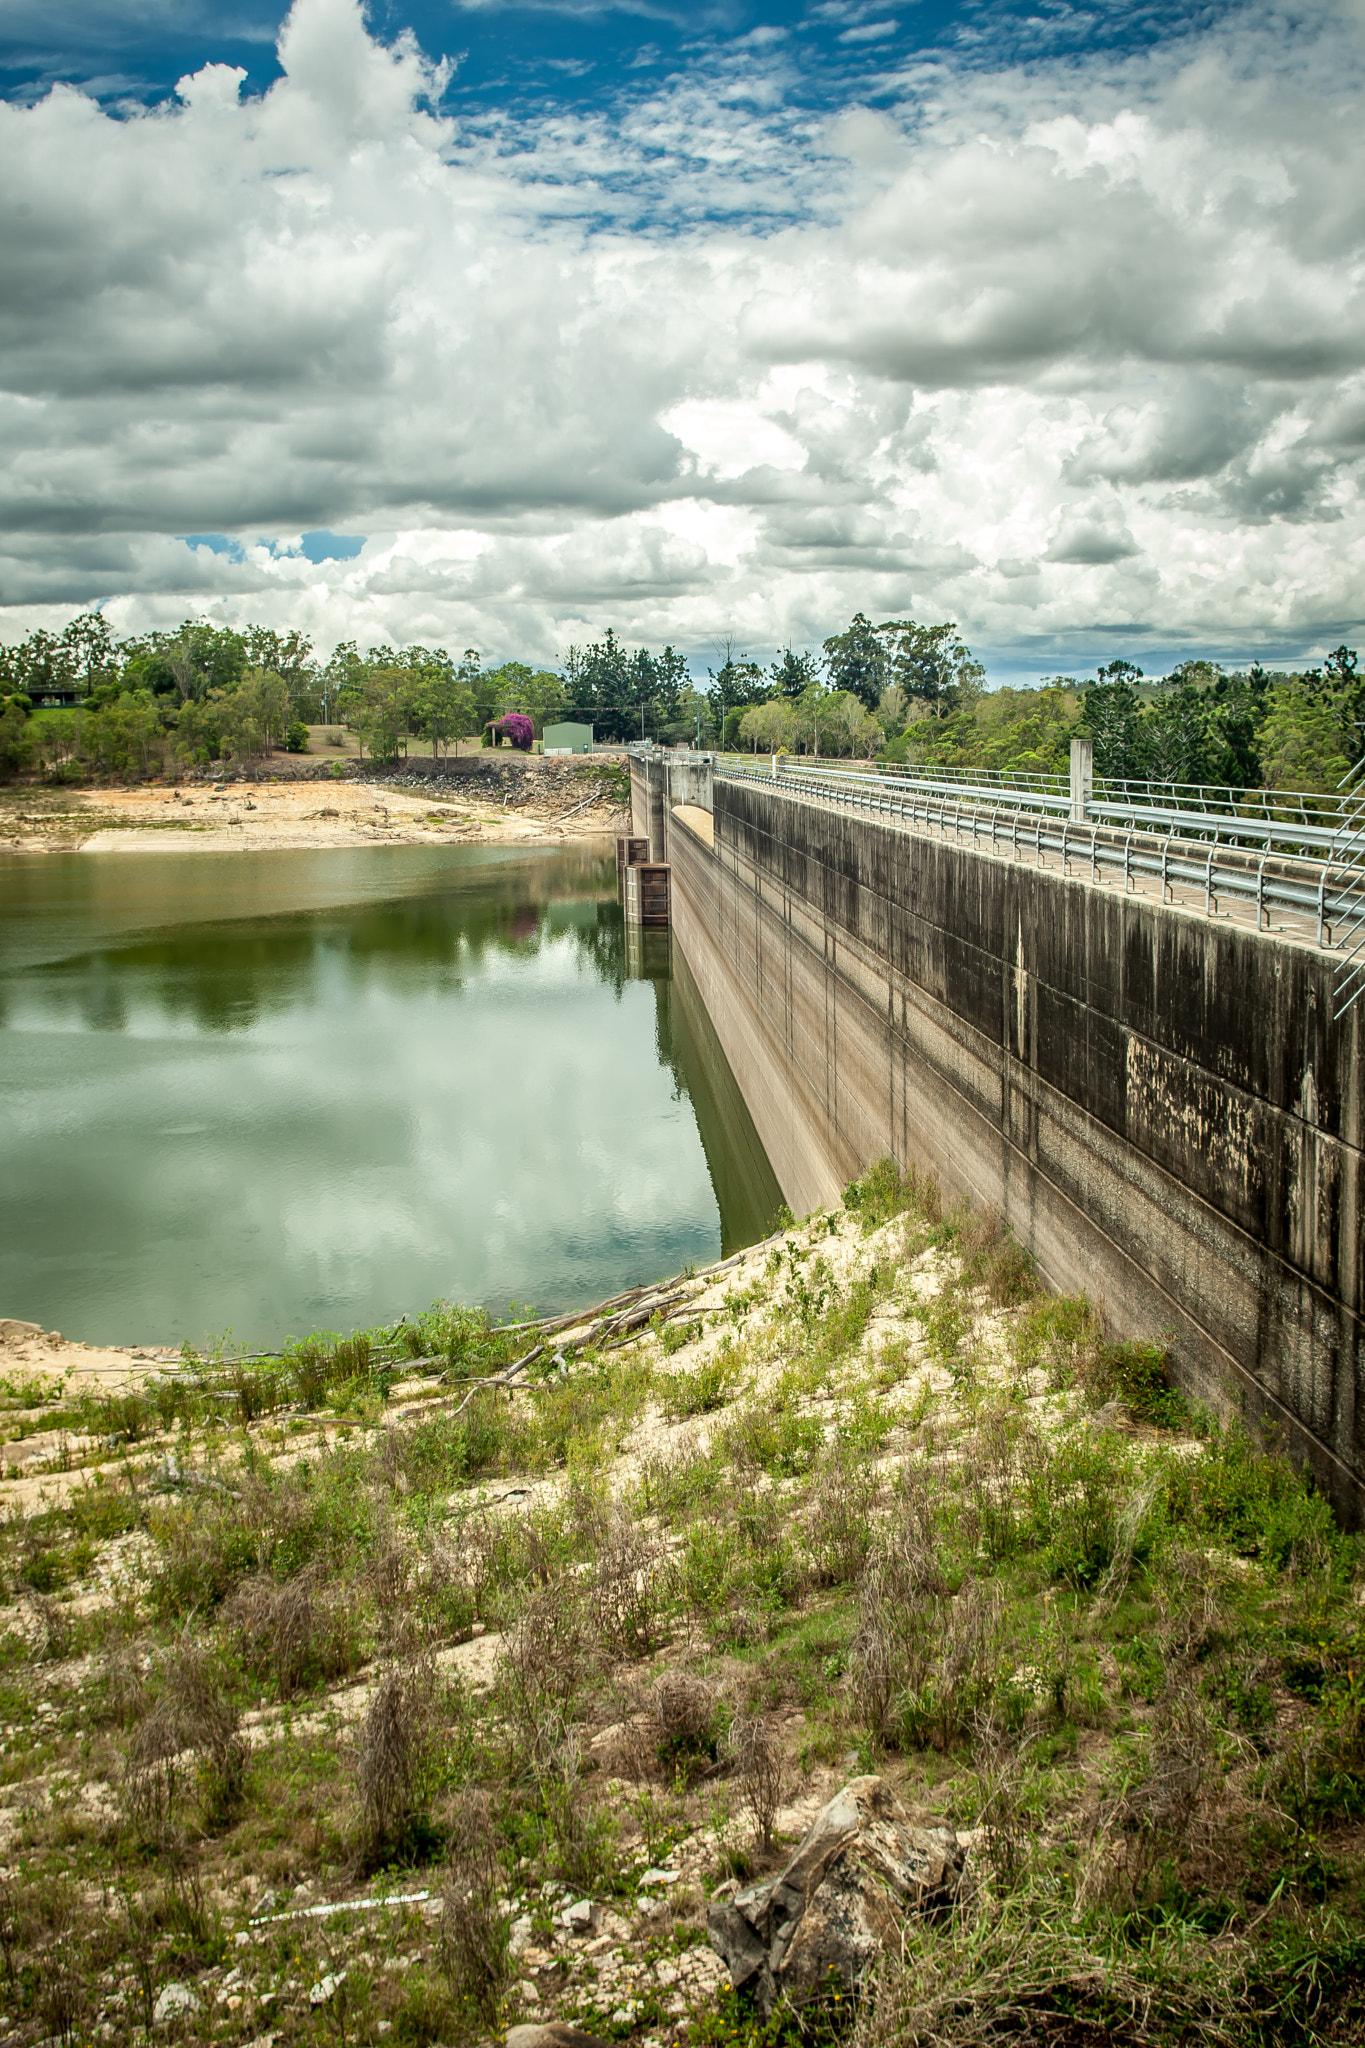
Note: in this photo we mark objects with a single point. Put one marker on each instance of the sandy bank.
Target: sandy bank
(266, 816)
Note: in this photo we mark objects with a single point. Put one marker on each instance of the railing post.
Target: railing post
(1082, 779)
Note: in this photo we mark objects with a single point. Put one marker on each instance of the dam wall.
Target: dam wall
(1158, 1101)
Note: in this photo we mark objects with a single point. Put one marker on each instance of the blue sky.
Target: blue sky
(497, 325)
(561, 53)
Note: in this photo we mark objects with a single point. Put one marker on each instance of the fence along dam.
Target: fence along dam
(1121, 1016)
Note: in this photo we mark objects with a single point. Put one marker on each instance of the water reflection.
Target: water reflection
(268, 1091)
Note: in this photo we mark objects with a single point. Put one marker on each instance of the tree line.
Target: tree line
(900, 691)
(1253, 728)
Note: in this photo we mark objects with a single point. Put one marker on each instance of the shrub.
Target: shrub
(296, 737)
(474, 1924)
(393, 1758)
(755, 1755)
(689, 1716)
(300, 1634)
(631, 1587)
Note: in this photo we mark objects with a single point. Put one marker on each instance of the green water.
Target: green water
(268, 1093)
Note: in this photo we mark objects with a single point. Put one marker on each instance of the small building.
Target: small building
(567, 739)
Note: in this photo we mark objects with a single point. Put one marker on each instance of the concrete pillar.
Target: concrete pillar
(639, 798)
(1082, 780)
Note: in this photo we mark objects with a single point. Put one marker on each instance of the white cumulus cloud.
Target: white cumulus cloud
(1074, 355)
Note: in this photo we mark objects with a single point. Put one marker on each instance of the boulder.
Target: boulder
(172, 2001)
(554, 2034)
(823, 1920)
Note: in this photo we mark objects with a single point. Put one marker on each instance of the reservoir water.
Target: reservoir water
(270, 1092)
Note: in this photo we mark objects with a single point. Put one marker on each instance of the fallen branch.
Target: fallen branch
(594, 798)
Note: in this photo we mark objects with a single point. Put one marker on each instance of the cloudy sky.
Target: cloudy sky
(494, 325)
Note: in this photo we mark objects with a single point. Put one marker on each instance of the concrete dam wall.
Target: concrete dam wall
(1157, 1101)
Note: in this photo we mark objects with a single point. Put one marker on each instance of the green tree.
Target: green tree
(16, 742)
(289, 656)
(444, 702)
(340, 678)
(516, 687)
(1111, 715)
(198, 658)
(931, 663)
(606, 683)
(1302, 743)
(253, 717)
(128, 736)
(380, 711)
(793, 673)
(768, 726)
(857, 660)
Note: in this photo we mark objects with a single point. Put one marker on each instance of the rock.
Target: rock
(660, 1877)
(326, 1988)
(552, 2034)
(826, 1916)
(172, 2001)
(519, 1938)
(578, 1917)
(12, 1331)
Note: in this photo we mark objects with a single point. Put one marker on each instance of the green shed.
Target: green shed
(567, 739)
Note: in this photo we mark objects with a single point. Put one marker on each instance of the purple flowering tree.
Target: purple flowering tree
(517, 728)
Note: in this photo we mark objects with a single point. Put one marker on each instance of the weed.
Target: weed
(886, 1190)
(675, 1336)
(707, 1387)
(545, 1660)
(838, 1521)
(631, 1588)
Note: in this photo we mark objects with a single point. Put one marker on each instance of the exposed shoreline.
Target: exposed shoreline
(272, 816)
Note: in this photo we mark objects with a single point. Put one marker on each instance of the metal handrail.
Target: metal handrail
(1348, 854)
(1262, 818)
(1329, 892)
